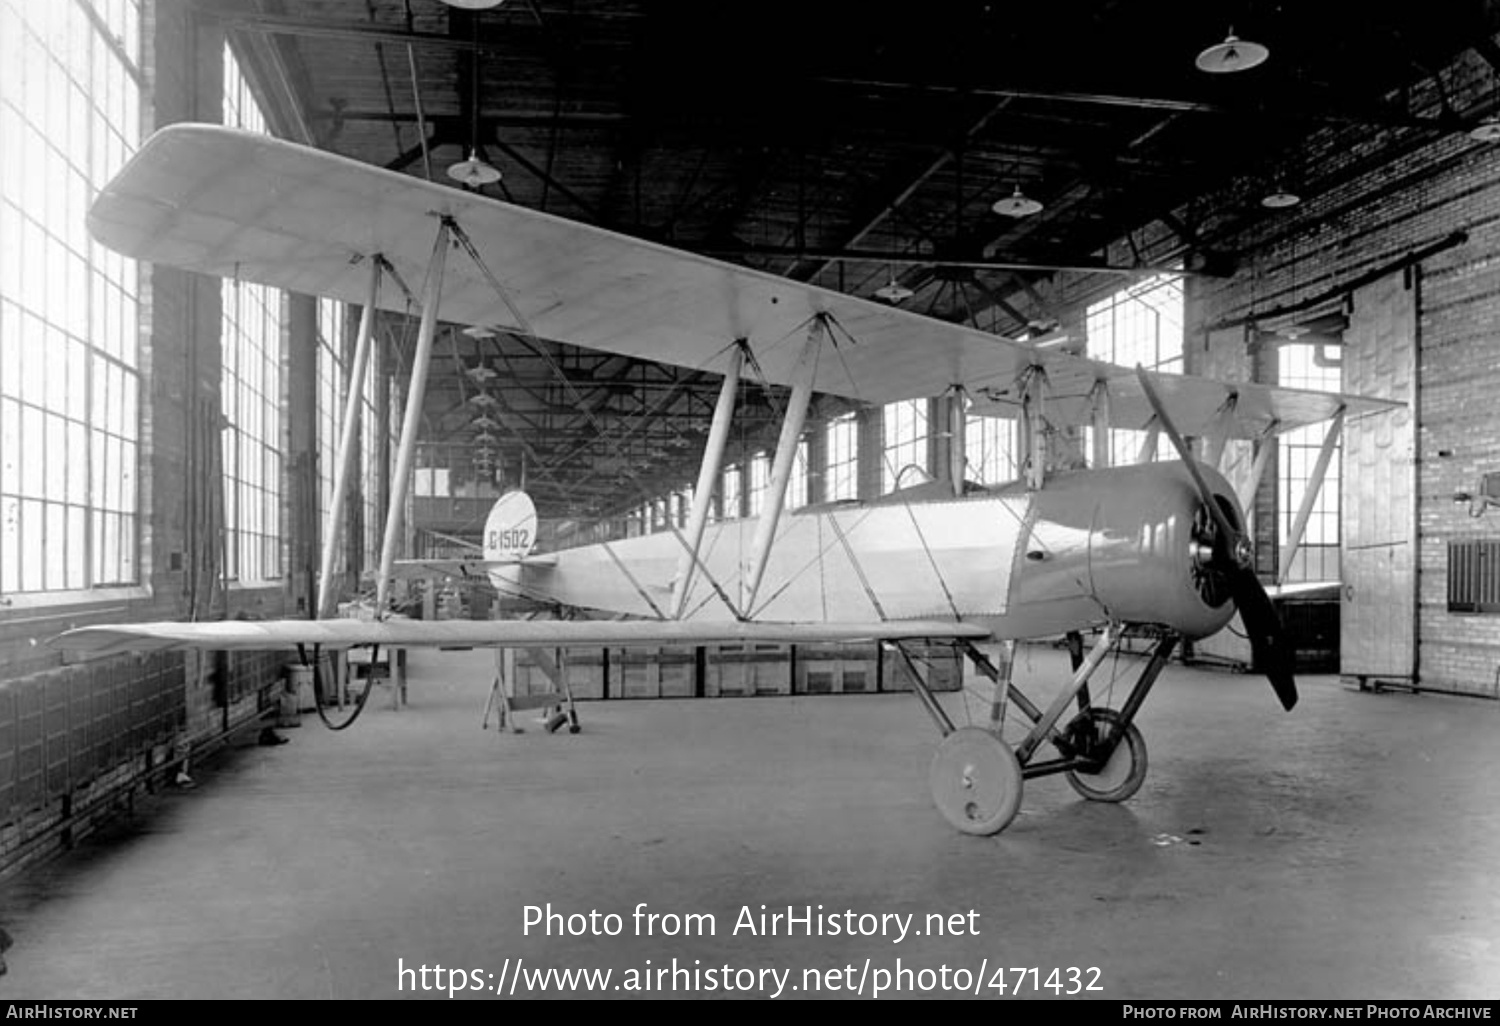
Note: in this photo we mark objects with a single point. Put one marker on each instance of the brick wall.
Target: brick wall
(74, 732)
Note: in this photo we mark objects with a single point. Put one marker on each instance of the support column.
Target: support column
(781, 468)
(412, 422)
(348, 434)
(302, 451)
(708, 476)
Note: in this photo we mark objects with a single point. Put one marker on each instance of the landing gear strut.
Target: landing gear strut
(976, 778)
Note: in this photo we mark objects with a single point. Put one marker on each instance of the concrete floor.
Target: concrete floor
(1346, 850)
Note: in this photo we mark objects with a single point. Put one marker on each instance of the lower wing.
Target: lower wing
(290, 634)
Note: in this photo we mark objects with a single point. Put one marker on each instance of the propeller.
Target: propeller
(1233, 556)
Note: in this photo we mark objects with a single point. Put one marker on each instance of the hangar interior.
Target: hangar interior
(1312, 202)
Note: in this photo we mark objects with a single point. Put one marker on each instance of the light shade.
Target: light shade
(1280, 198)
(473, 172)
(1234, 54)
(1487, 131)
(475, 5)
(1017, 204)
(893, 291)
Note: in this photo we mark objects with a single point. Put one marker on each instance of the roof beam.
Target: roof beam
(315, 28)
(922, 260)
(945, 158)
(1374, 114)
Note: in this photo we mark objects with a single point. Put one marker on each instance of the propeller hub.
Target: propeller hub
(1244, 551)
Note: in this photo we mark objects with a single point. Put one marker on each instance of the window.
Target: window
(251, 392)
(1318, 557)
(70, 95)
(796, 488)
(1141, 324)
(729, 491)
(990, 449)
(760, 475)
(840, 472)
(432, 482)
(905, 443)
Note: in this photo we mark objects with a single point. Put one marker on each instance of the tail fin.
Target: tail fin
(510, 529)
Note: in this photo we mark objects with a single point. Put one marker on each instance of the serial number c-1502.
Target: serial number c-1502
(514, 538)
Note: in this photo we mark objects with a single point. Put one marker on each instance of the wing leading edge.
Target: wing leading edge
(255, 635)
(220, 201)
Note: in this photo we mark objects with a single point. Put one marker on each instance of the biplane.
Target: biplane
(1159, 548)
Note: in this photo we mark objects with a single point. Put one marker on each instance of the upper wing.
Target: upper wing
(288, 634)
(239, 205)
(1195, 404)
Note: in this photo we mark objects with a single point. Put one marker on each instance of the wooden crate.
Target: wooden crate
(584, 667)
(737, 670)
(942, 665)
(661, 671)
(835, 669)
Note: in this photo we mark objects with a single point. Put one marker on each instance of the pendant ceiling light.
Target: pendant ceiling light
(475, 5)
(1279, 198)
(1017, 204)
(893, 291)
(1234, 54)
(1487, 131)
(474, 172)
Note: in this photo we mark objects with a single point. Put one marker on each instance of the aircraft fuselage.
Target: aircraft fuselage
(1121, 544)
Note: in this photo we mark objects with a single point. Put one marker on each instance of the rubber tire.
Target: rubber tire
(971, 757)
(1132, 747)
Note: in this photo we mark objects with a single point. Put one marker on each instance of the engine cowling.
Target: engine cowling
(1135, 543)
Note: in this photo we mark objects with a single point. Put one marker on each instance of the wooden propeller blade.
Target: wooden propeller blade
(1267, 642)
(1221, 519)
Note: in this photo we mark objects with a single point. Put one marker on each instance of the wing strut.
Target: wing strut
(1034, 428)
(420, 363)
(786, 451)
(1100, 415)
(1218, 435)
(957, 457)
(353, 404)
(708, 474)
(1258, 467)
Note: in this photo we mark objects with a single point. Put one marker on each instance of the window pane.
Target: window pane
(251, 343)
(64, 95)
(1140, 324)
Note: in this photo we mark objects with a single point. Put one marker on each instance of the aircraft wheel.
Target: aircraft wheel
(976, 781)
(1125, 771)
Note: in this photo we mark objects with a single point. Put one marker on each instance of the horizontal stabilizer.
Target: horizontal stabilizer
(476, 567)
